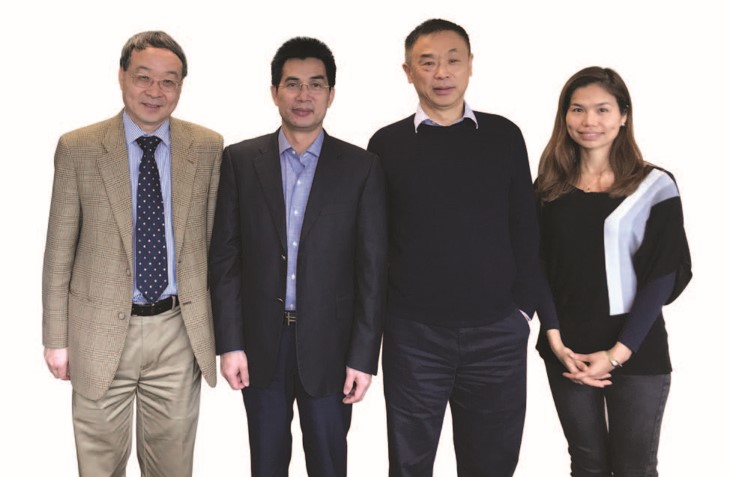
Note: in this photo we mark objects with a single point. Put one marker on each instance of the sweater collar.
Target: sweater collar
(421, 117)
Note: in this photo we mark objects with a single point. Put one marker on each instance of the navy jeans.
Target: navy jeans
(324, 420)
(614, 431)
(479, 371)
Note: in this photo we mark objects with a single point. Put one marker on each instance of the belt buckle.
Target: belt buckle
(290, 317)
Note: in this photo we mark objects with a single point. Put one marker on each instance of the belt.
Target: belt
(290, 317)
(151, 309)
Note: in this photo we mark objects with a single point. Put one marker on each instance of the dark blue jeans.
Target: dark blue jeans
(614, 431)
(324, 420)
(478, 371)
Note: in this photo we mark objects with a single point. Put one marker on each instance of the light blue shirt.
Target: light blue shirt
(297, 174)
(164, 166)
(422, 117)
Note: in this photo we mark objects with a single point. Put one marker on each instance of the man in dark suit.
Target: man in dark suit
(297, 270)
(126, 334)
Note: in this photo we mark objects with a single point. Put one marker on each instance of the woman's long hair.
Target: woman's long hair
(559, 169)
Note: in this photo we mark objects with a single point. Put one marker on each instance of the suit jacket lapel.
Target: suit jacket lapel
(114, 171)
(324, 177)
(268, 169)
(183, 175)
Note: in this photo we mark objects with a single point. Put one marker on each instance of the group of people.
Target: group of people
(294, 254)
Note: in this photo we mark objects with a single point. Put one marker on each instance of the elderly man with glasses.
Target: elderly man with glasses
(125, 301)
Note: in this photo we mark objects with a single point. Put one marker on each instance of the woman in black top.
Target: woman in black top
(615, 252)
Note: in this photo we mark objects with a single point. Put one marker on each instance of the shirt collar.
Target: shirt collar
(421, 117)
(315, 148)
(132, 131)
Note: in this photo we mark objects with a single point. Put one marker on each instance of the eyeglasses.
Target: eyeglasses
(314, 86)
(166, 85)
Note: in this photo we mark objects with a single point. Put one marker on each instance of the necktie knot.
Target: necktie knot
(148, 144)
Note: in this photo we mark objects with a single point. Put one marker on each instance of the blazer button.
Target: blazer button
(121, 315)
(279, 299)
(129, 273)
(283, 257)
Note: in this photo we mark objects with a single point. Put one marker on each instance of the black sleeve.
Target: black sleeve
(530, 283)
(225, 263)
(645, 310)
(370, 259)
(546, 310)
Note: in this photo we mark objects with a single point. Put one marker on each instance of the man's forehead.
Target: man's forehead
(441, 39)
(311, 68)
(303, 62)
(140, 60)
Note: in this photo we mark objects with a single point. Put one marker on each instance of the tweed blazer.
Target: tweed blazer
(88, 268)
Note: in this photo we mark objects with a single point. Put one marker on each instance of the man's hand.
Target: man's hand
(356, 385)
(234, 367)
(57, 362)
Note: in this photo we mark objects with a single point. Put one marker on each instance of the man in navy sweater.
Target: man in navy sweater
(464, 271)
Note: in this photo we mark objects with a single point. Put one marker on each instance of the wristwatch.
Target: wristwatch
(613, 362)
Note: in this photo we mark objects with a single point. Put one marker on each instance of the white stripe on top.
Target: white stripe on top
(623, 233)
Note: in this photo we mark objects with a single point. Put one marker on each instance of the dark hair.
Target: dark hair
(302, 48)
(152, 39)
(435, 25)
(559, 169)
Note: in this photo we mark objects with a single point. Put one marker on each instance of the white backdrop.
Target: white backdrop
(59, 72)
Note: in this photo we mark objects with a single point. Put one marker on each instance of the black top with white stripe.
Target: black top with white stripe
(612, 263)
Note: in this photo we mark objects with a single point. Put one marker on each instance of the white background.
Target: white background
(59, 72)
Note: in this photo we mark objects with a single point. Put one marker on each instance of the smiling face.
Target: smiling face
(594, 119)
(439, 66)
(302, 108)
(150, 106)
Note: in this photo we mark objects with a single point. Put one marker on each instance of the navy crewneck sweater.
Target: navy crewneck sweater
(463, 235)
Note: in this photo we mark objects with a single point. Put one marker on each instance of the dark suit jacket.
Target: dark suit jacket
(340, 269)
(87, 269)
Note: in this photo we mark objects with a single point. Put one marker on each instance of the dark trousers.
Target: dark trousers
(479, 371)
(612, 431)
(324, 421)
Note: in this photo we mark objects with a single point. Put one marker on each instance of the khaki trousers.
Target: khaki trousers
(158, 371)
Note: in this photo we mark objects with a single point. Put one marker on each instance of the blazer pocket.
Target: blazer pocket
(82, 297)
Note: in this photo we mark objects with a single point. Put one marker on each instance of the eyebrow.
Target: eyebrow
(605, 103)
(431, 55)
(146, 69)
(296, 78)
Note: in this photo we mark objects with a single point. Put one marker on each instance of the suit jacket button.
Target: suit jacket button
(283, 257)
(121, 315)
(129, 273)
(279, 299)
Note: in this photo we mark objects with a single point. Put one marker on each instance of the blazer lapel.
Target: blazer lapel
(324, 177)
(183, 175)
(268, 169)
(114, 171)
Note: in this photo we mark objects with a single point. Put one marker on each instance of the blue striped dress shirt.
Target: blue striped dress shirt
(164, 165)
(297, 174)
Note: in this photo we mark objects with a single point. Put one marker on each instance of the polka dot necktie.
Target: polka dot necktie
(151, 245)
